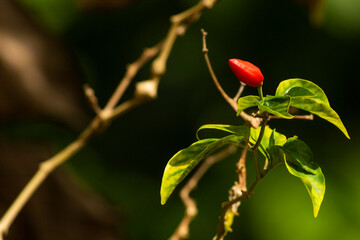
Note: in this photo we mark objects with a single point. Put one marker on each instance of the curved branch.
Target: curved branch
(145, 91)
(254, 122)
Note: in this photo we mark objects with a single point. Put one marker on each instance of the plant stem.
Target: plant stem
(225, 206)
(213, 76)
(303, 117)
(45, 169)
(257, 165)
(260, 92)
(261, 134)
(238, 94)
(253, 121)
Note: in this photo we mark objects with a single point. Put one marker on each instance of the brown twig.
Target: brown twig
(302, 117)
(254, 122)
(182, 230)
(92, 99)
(241, 171)
(205, 50)
(145, 91)
(96, 125)
(238, 94)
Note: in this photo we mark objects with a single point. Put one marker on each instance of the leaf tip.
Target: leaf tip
(347, 135)
(164, 195)
(163, 198)
(316, 211)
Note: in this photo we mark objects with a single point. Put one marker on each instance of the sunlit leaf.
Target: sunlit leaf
(299, 162)
(310, 97)
(320, 109)
(276, 105)
(247, 102)
(181, 164)
(299, 87)
(274, 149)
(270, 139)
(237, 130)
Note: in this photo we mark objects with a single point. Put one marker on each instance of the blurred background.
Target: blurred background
(110, 190)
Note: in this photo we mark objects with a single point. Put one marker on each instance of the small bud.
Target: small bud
(246, 72)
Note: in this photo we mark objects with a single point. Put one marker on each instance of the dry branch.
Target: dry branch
(145, 91)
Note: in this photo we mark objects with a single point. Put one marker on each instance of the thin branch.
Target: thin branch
(257, 165)
(254, 122)
(302, 117)
(127, 106)
(238, 94)
(92, 99)
(131, 71)
(145, 91)
(182, 230)
(49, 165)
(241, 171)
(213, 76)
(261, 134)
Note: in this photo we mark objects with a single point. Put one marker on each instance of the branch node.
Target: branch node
(147, 89)
(208, 3)
(181, 29)
(158, 67)
(92, 99)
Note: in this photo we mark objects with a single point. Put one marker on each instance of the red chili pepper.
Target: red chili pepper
(246, 72)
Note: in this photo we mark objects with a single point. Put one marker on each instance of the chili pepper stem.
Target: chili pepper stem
(259, 88)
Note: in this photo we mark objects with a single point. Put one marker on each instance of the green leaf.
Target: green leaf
(237, 130)
(274, 149)
(299, 162)
(181, 164)
(310, 97)
(270, 140)
(300, 87)
(321, 109)
(276, 105)
(247, 102)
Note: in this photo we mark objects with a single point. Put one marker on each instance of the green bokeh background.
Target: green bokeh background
(125, 164)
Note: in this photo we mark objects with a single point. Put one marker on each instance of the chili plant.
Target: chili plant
(275, 147)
